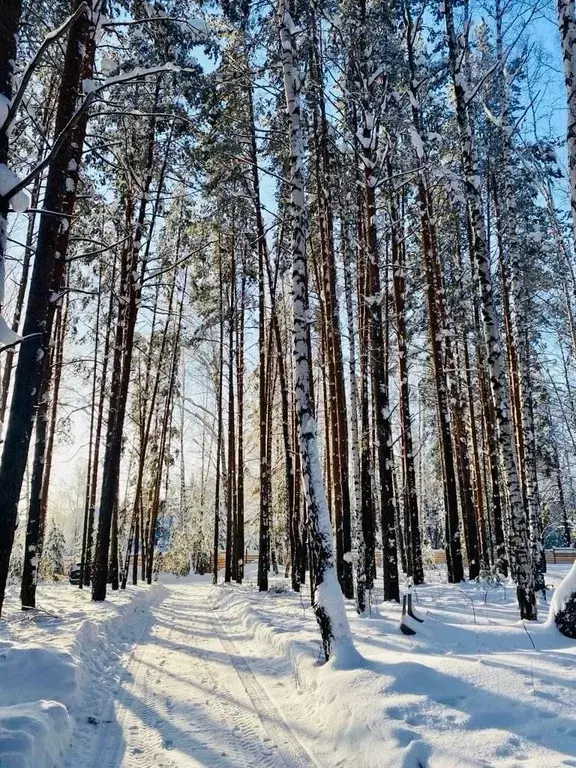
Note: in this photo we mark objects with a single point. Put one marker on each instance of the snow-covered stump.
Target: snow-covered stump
(563, 605)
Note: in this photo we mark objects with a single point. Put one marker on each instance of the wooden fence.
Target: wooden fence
(249, 557)
(553, 557)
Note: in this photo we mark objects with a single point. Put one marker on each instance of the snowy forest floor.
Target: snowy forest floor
(186, 674)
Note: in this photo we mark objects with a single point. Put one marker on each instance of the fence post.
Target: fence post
(554, 555)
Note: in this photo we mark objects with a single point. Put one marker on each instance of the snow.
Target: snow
(200, 26)
(88, 85)
(188, 674)
(467, 690)
(4, 108)
(108, 65)
(37, 685)
(20, 202)
(7, 335)
(416, 140)
(58, 668)
(8, 180)
(33, 735)
(30, 672)
(563, 591)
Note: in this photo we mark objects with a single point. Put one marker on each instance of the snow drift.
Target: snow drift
(563, 605)
(42, 687)
(37, 686)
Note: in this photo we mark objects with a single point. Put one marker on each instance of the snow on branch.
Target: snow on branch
(29, 71)
(92, 91)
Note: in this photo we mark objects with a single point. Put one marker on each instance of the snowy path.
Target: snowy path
(190, 698)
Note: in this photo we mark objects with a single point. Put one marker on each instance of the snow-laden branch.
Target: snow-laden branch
(9, 342)
(92, 91)
(197, 26)
(29, 71)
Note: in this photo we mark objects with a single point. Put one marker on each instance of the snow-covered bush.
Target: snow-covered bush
(563, 604)
(52, 559)
(489, 578)
(16, 563)
(177, 559)
(428, 558)
(278, 589)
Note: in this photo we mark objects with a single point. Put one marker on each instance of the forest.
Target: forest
(288, 291)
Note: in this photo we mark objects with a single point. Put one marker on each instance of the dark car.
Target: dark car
(74, 574)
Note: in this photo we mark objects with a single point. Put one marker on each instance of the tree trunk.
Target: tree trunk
(410, 493)
(219, 428)
(131, 282)
(9, 30)
(328, 601)
(239, 538)
(113, 569)
(49, 266)
(230, 570)
(567, 28)
(521, 561)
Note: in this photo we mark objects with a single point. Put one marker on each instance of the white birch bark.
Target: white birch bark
(520, 555)
(353, 381)
(328, 601)
(517, 293)
(567, 29)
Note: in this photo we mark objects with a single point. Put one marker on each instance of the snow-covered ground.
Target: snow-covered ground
(185, 674)
(60, 666)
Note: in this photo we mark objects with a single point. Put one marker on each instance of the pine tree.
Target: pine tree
(53, 554)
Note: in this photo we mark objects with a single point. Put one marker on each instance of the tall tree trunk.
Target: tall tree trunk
(219, 427)
(9, 30)
(130, 290)
(435, 323)
(327, 600)
(567, 28)
(165, 433)
(113, 569)
(230, 570)
(521, 560)
(31, 544)
(410, 492)
(91, 446)
(86, 566)
(368, 144)
(338, 444)
(239, 538)
(49, 266)
(27, 255)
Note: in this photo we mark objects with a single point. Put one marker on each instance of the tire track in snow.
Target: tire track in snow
(294, 754)
(122, 720)
(186, 702)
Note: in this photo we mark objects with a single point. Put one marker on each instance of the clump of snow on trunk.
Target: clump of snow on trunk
(563, 605)
(7, 335)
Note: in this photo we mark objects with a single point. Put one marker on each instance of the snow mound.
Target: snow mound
(33, 735)
(67, 660)
(34, 729)
(31, 672)
(563, 605)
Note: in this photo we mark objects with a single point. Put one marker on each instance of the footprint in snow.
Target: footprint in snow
(404, 737)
